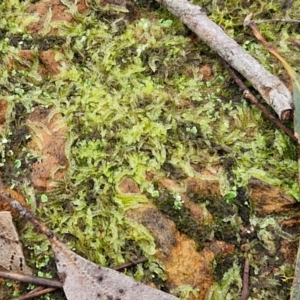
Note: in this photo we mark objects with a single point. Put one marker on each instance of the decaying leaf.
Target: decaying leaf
(86, 280)
(82, 279)
(48, 131)
(11, 254)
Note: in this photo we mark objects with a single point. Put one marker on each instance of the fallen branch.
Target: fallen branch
(269, 86)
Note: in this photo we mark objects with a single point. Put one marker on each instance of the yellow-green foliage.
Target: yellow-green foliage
(133, 100)
(222, 289)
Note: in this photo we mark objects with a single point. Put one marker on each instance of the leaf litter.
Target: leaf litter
(11, 253)
(83, 279)
(124, 123)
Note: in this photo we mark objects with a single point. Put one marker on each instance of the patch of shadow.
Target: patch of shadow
(159, 226)
(173, 172)
(18, 41)
(268, 280)
(242, 203)
(185, 223)
(147, 4)
(223, 264)
(222, 228)
(43, 43)
(50, 42)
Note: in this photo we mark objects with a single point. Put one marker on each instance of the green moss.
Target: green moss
(185, 292)
(224, 227)
(228, 287)
(135, 103)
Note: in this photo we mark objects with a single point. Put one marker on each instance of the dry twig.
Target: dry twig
(36, 293)
(278, 20)
(249, 96)
(269, 86)
(245, 290)
(130, 264)
(31, 279)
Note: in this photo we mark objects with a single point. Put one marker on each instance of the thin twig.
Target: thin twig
(278, 20)
(293, 75)
(71, 266)
(31, 279)
(35, 294)
(36, 289)
(55, 283)
(130, 264)
(24, 212)
(248, 95)
(52, 284)
(245, 290)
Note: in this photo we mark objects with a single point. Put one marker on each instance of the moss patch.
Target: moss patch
(131, 86)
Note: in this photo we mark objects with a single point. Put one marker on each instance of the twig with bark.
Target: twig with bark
(278, 20)
(249, 96)
(269, 86)
(31, 279)
(35, 293)
(245, 290)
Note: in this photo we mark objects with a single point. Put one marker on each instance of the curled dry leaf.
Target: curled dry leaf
(11, 254)
(48, 131)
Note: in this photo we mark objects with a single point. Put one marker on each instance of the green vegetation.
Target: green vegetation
(133, 99)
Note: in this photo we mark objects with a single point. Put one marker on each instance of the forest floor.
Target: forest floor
(126, 136)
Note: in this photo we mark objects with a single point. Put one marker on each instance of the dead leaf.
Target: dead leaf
(11, 254)
(85, 280)
(82, 279)
(48, 131)
(6, 207)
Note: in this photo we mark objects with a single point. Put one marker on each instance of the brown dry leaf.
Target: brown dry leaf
(3, 109)
(56, 11)
(267, 199)
(207, 185)
(18, 196)
(82, 279)
(86, 280)
(187, 266)
(49, 65)
(182, 263)
(11, 254)
(48, 131)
